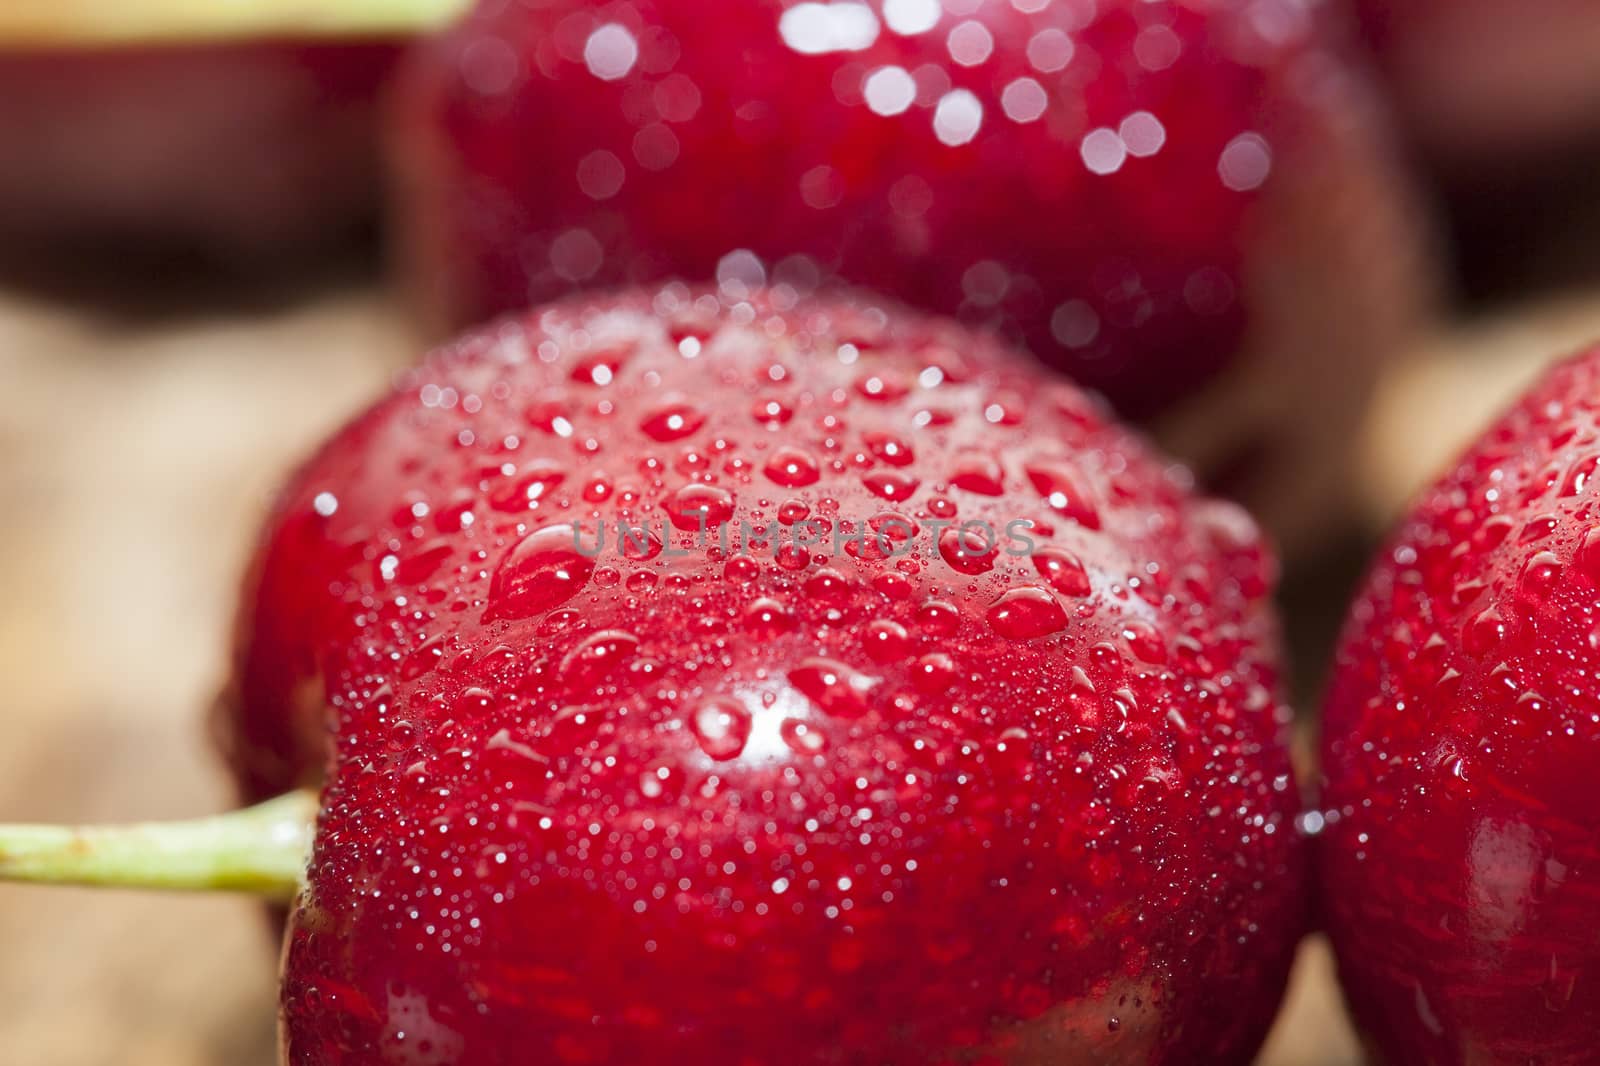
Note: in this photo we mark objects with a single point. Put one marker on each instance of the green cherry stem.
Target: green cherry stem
(261, 850)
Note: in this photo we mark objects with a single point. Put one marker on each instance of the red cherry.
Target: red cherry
(1460, 841)
(824, 805)
(1087, 175)
(239, 150)
(1487, 86)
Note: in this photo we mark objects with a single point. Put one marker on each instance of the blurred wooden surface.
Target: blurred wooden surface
(1432, 405)
(137, 454)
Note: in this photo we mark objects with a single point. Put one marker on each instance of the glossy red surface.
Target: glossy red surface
(1462, 875)
(1083, 174)
(919, 800)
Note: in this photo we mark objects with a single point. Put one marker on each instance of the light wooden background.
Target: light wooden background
(137, 450)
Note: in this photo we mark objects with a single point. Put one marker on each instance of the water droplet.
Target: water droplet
(969, 548)
(766, 617)
(1144, 641)
(881, 388)
(792, 467)
(888, 448)
(597, 656)
(792, 511)
(802, 737)
(638, 543)
(454, 517)
(1483, 632)
(673, 420)
(1062, 571)
(792, 557)
(1065, 492)
(542, 571)
(893, 585)
(1539, 575)
(834, 687)
(528, 488)
(980, 474)
(722, 727)
(1587, 558)
(1579, 477)
(1029, 611)
(934, 672)
(893, 529)
(890, 484)
(829, 586)
(550, 416)
(596, 368)
(695, 507)
(771, 411)
(938, 618)
(741, 570)
(887, 641)
(424, 659)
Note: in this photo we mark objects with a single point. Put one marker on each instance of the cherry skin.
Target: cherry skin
(1100, 179)
(1462, 745)
(978, 759)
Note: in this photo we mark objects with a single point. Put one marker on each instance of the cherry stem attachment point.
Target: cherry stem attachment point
(261, 850)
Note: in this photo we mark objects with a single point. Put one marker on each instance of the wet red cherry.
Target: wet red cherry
(1118, 183)
(239, 151)
(1487, 85)
(1460, 840)
(796, 781)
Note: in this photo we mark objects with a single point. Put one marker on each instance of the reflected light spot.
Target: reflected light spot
(816, 29)
(1075, 324)
(1157, 47)
(610, 52)
(1103, 151)
(740, 272)
(957, 118)
(1023, 100)
(655, 147)
(889, 90)
(1143, 134)
(1245, 162)
(1050, 50)
(908, 17)
(970, 43)
(600, 175)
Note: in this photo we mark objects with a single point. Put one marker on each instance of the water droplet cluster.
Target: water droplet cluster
(902, 787)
